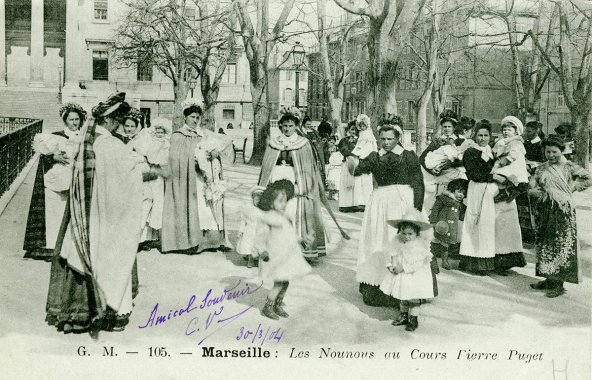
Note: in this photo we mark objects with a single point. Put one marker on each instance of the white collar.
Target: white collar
(398, 149)
(535, 140)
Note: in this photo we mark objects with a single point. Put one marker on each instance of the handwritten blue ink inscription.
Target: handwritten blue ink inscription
(212, 303)
(260, 335)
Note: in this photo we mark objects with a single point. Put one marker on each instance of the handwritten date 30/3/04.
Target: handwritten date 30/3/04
(261, 334)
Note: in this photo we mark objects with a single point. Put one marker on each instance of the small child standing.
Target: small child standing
(245, 245)
(333, 171)
(411, 276)
(278, 246)
(510, 169)
(446, 214)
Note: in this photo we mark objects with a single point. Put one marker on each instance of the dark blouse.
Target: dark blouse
(346, 145)
(284, 158)
(478, 170)
(534, 152)
(395, 169)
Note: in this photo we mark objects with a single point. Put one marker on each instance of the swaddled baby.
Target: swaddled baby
(59, 177)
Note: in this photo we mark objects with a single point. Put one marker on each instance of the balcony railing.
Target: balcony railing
(16, 147)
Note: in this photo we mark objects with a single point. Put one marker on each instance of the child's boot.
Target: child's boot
(267, 310)
(402, 320)
(413, 323)
(278, 307)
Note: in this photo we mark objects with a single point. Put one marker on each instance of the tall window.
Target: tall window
(302, 98)
(229, 73)
(560, 99)
(288, 96)
(101, 9)
(144, 70)
(100, 65)
(410, 111)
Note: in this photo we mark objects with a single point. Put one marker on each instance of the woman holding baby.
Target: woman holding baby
(52, 181)
(491, 238)
(441, 161)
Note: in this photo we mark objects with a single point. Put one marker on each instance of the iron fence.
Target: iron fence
(16, 147)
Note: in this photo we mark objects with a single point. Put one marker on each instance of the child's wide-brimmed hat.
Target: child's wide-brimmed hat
(412, 216)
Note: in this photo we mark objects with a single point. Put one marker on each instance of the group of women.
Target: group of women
(154, 187)
(105, 185)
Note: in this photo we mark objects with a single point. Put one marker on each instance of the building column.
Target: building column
(37, 44)
(72, 49)
(2, 44)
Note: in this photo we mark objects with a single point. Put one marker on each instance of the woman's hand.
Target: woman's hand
(61, 157)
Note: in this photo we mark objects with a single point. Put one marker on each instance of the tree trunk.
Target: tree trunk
(261, 126)
(208, 119)
(581, 117)
(180, 94)
(336, 105)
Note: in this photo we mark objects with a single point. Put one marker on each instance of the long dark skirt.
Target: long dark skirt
(70, 298)
(34, 244)
(476, 264)
(509, 260)
(556, 243)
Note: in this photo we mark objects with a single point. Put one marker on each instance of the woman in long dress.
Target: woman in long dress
(556, 237)
(50, 190)
(290, 156)
(400, 188)
(189, 223)
(491, 238)
(365, 144)
(91, 275)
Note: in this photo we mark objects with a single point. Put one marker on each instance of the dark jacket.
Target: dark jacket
(448, 210)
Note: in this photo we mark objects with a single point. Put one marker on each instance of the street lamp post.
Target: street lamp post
(298, 59)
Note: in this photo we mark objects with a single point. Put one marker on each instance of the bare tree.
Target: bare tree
(259, 42)
(181, 45)
(390, 22)
(572, 64)
(337, 65)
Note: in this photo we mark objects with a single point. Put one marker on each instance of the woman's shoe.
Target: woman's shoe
(402, 320)
(413, 323)
(267, 310)
(541, 285)
(552, 293)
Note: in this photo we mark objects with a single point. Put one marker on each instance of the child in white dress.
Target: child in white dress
(510, 170)
(409, 264)
(279, 247)
(333, 171)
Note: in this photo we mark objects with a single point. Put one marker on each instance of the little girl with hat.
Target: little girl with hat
(409, 264)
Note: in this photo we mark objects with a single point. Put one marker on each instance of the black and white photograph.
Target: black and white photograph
(298, 189)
